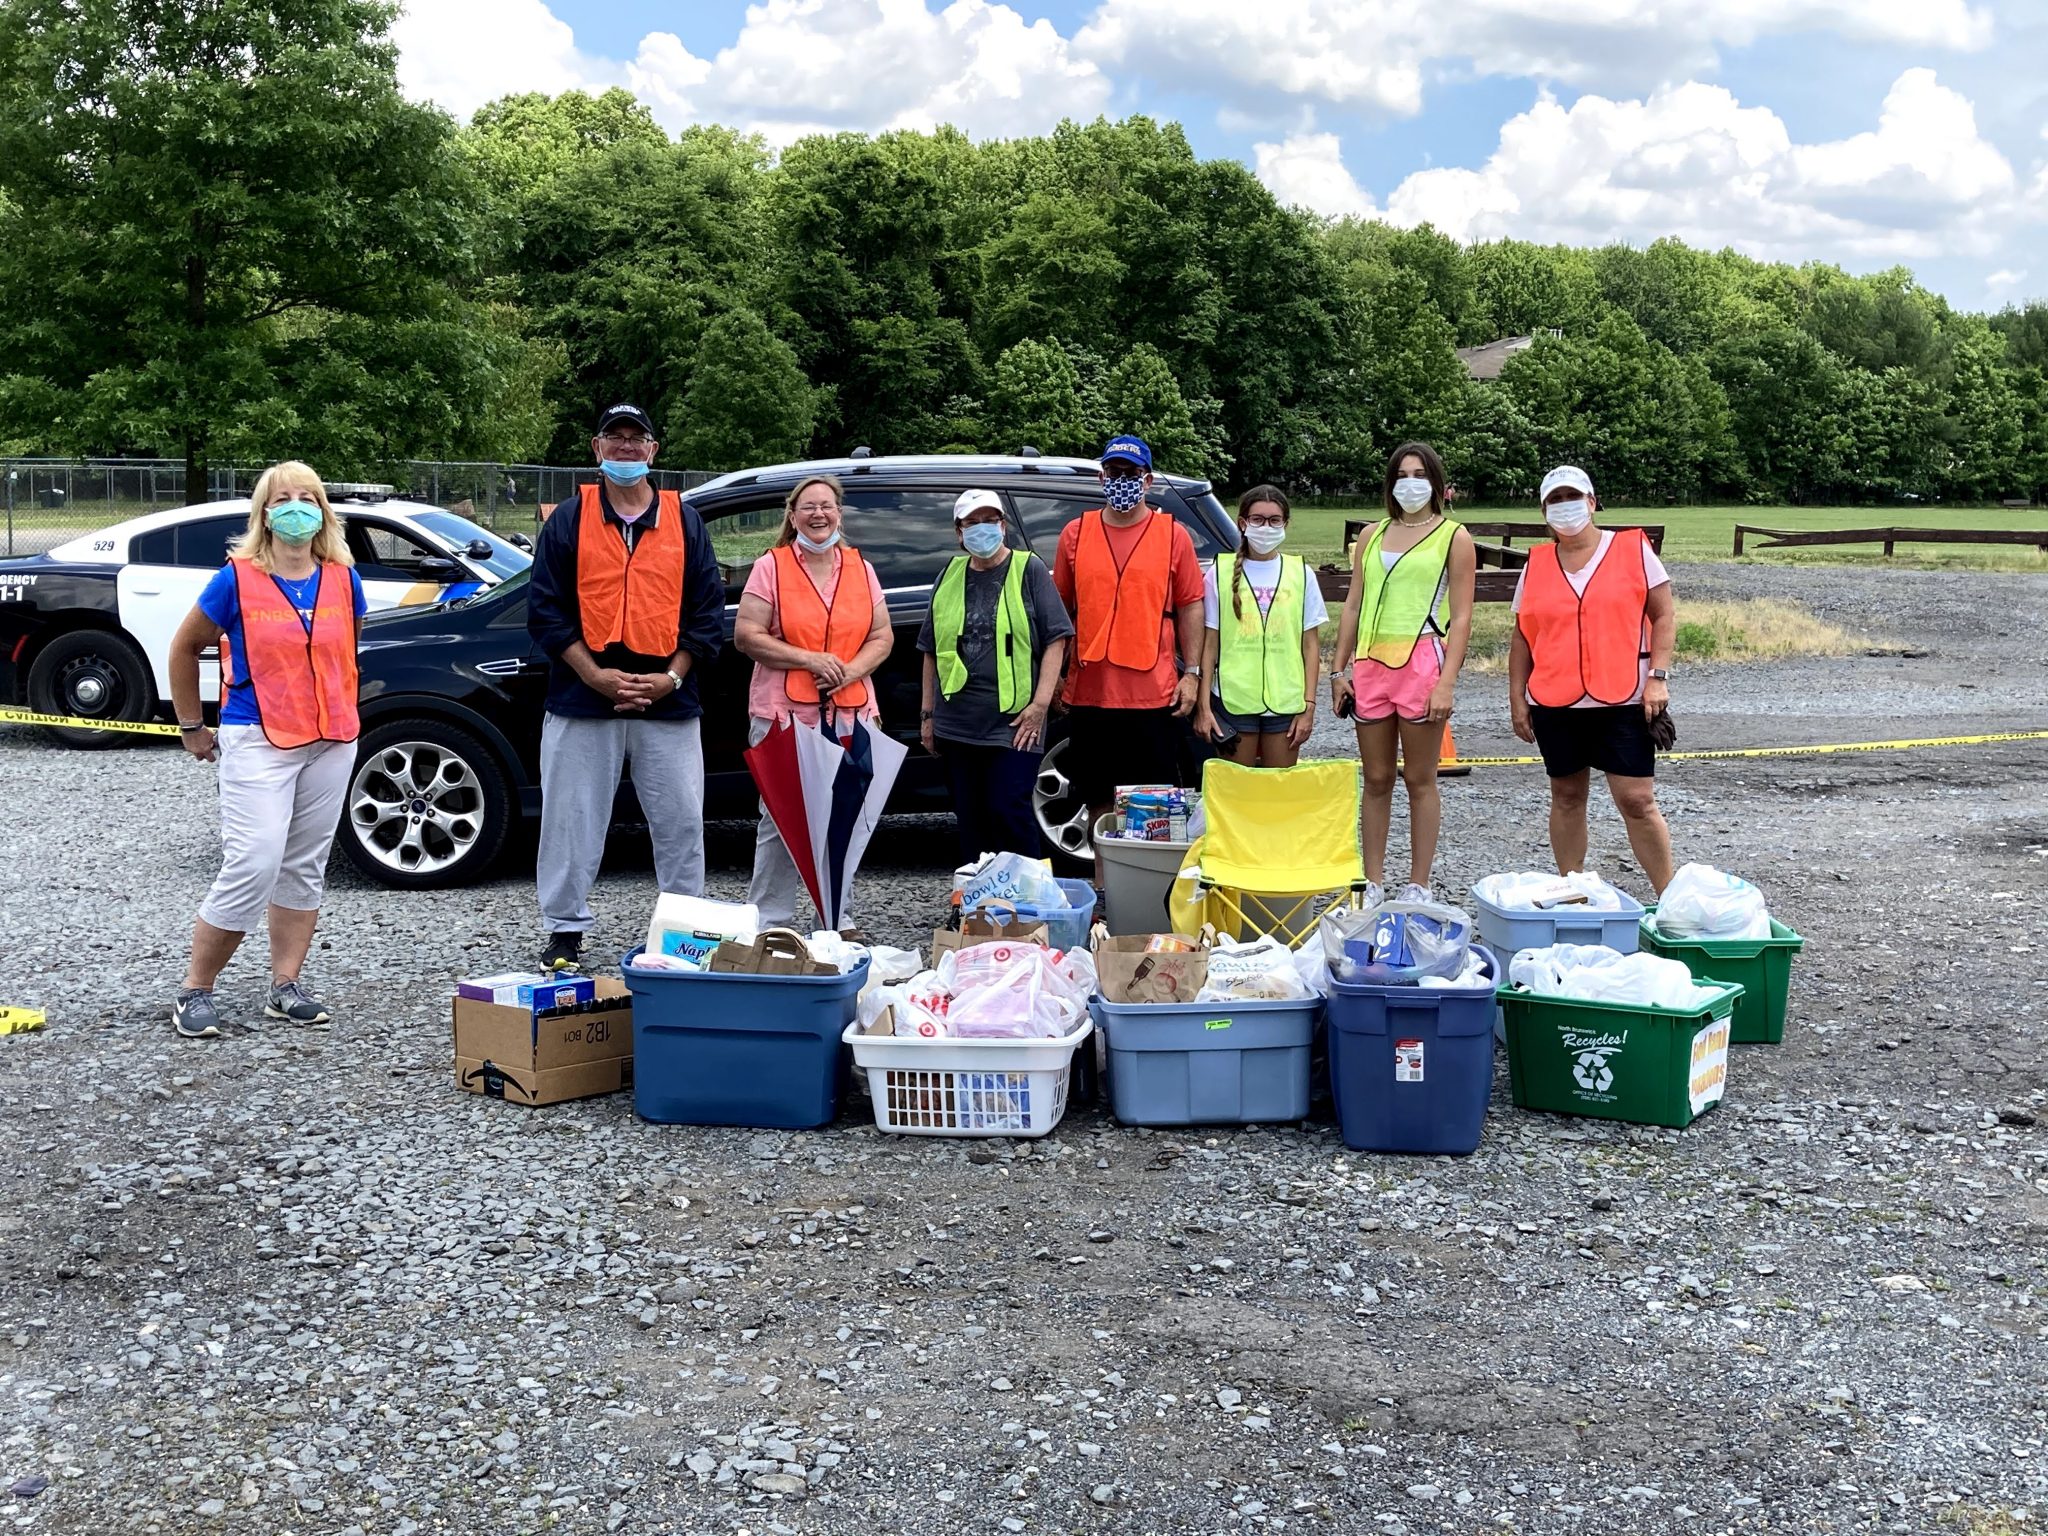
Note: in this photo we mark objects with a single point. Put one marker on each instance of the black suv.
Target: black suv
(452, 696)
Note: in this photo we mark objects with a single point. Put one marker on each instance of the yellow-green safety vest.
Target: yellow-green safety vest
(1259, 667)
(1014, 680)
(1400, 606)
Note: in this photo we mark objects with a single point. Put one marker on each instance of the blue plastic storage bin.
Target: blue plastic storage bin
(1507, 931)
(1411, 1068)
(1065, 927)
(1208, 1063)
(711, 1048)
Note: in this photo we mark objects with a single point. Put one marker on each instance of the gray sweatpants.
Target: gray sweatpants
(580, 764)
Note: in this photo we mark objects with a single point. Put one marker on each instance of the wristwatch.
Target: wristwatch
(1191, 671)
(1660, 674)
(675, 679)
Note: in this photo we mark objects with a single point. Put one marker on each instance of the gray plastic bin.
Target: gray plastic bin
(1508, 930)
(1208, 1063)
(1136, 877)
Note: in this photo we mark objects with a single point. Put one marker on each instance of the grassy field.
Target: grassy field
(1707, 533)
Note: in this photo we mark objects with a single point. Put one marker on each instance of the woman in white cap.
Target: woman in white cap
(993, 642)
(1589, 670)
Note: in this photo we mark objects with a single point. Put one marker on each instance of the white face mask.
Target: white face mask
(1413, 493)
(1262, 539)
(1569, 516)
(811, 546)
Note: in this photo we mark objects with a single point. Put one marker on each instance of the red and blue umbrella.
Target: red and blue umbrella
(825, 791)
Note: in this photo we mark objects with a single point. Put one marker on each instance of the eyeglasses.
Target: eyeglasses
(1265, 522)
(613, 440)
(1121, 469)
(817, 506)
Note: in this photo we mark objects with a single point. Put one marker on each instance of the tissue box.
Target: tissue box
(535, 991)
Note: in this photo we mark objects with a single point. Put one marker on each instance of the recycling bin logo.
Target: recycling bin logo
(1592, 1073)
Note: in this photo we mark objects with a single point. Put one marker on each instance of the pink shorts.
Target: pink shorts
(1382, 691)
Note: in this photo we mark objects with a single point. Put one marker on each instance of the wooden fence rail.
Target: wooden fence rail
(1786, 538)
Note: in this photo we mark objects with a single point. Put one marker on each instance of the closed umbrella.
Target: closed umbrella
(825, 794)
(778, 774)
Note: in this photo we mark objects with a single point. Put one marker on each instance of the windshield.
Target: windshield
(505, 559)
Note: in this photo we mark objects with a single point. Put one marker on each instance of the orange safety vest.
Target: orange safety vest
(1590, 646)
(634, 597)
(1120, 612)
(304, 674)
(809, 625)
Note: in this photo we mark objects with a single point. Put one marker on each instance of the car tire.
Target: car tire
(94, 673)
(1062, 819)
(428, 805)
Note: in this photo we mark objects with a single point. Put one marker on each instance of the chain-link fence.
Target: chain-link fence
(48, 502)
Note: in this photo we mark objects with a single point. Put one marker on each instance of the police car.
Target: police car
(85, 629)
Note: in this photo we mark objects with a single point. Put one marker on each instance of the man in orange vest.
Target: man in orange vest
(1129, 576)
(627, 602)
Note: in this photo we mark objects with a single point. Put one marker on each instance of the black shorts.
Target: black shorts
(1613, 739)
(1108, 747)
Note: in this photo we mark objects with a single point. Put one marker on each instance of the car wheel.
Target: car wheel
(428, 805)
(1062, 817)
(94, 673)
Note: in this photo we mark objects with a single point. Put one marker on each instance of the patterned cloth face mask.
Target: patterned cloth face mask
(1120, 493)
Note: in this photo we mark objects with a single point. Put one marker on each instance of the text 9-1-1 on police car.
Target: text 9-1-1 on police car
(85, 628)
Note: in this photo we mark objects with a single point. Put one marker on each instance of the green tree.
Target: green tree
(747, 401)
(1983, 426)
(195, 197)
(1141, 395)
(1036, 399)
(517, 143)
(1785, 392)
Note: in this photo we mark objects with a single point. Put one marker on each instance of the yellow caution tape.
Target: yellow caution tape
(85, 723)
(19, 1021)
(1905, 745)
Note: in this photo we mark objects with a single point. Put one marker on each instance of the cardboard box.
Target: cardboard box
(509, 1052)
(533, 990)
(1126, 973)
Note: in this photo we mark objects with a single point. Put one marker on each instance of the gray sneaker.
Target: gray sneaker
(194, 1016)
(295, 1005)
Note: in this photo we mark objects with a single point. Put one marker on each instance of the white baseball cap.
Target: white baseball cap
(970, 502)
(1564, 475)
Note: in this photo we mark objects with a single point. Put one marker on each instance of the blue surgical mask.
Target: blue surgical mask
(1120, 493)
(295, 522)
(811, 546)
(624, 471)
(983, 539)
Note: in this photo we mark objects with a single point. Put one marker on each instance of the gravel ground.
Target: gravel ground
(296, 1283)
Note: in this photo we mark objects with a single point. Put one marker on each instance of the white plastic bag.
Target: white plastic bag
(1474, 975)
(843, 955)
(1312, 969)
(1259, 971)
(1702, 902)
(1017, 1004)
(1532, 890)
(887, 964)
(1012, 877)
(1593, 973)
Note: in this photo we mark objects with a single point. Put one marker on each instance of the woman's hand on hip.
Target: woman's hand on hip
(1029, 735)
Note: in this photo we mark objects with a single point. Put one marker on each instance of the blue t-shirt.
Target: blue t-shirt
(222, 603)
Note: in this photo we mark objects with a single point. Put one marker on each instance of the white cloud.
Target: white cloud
(1306, 170)
(1378, 56)
(796, 66)
(460, 54)
(2004, 278)
(1693, 162)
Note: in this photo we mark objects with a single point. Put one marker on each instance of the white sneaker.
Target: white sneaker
(1373, 894)
(1413, 892)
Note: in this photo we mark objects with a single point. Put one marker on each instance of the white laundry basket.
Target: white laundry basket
(953, 1087)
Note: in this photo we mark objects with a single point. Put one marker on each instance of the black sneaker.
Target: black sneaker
(194, 1016)
(295, 1005)
(564, 952)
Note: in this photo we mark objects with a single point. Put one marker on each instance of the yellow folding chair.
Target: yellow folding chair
(1277, 843)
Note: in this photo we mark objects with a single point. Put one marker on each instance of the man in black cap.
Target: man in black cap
(627, 601)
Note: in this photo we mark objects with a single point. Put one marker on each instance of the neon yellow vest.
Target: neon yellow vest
(1400, 605)
(1014, 682)
(1259, 666)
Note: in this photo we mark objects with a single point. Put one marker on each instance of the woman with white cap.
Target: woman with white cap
(993, 642)
(1589, 670)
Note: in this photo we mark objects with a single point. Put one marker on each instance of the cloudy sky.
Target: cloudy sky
(1866, 132)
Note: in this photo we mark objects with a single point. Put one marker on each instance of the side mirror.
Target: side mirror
(519, 541)
(438, 565)
(477, 549)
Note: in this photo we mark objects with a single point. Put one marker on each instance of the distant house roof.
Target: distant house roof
(1487, 361)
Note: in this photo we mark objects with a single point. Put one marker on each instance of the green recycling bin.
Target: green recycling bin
(1763, 967)
(1616, 1061)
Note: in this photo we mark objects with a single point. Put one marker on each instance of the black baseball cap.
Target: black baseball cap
(615, 414)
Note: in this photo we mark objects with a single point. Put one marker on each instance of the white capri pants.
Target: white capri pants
(279, 807)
